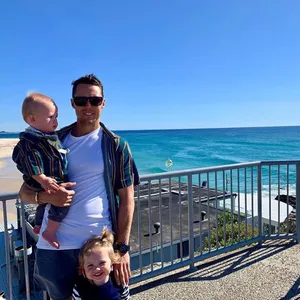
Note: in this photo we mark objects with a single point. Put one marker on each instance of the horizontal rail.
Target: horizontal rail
(11, 196)
(216, 168)
(196, 171)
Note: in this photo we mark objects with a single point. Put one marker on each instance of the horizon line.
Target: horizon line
(194, 128)
(197, 128)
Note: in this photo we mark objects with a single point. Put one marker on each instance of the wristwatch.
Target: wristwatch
(123, 248)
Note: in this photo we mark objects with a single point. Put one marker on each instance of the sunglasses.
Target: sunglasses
(82, 101)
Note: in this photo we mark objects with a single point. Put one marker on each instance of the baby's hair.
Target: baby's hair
(105, 240)
(32, 103)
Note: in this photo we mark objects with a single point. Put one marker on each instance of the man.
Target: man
(102, 175)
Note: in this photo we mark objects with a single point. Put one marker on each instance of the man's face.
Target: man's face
(88, 113)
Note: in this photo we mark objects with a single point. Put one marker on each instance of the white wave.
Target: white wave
(270, 207)
(183, 154)
(228, 157)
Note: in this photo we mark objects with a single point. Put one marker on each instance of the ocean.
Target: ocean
(198, 148)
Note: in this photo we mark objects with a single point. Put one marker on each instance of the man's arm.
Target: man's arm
(126, 178)
(126, 209)
(61, 198)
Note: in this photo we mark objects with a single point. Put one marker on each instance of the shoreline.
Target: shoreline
(10, 177)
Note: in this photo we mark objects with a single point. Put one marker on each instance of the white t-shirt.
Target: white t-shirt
(89, 211)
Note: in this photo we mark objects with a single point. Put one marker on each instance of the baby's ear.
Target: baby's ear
(31, 119)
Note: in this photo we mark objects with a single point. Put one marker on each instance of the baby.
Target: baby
(39, 156)
(96, 258)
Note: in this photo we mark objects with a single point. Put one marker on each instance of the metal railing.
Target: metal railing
(183, 217)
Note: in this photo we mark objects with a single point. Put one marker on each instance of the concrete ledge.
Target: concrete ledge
(271, 271)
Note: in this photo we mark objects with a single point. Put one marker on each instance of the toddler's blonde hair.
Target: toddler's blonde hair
(33, 102)
(105, 240)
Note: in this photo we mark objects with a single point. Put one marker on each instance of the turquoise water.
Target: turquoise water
(197, 148)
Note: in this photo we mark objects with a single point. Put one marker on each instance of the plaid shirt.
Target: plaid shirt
(34, 155)
(119, 168)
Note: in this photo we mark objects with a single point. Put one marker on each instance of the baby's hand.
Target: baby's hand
(50, 185)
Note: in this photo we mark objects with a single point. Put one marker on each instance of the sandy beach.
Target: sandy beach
(10, 177)
(6, 147)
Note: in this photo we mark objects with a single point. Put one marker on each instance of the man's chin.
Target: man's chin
(89, 122)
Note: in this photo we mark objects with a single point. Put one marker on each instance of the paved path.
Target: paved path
(269, 272)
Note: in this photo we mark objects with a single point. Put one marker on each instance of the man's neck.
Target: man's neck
(81, 129)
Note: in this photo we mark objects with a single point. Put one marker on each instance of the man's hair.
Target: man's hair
(32, 103)
(106, 240)
(87, 79)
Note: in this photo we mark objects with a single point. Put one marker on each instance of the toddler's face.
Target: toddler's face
(45, 119)
(97, 265)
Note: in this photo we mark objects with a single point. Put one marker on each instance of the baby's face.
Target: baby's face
(45, 119)
(97, 265)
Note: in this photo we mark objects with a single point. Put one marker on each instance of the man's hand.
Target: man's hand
(62, 196)
(122, 271)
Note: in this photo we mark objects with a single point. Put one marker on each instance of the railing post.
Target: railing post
(7, 255)
(298, 202)
(45, 296)
(191, 222)
(24, 238)
(259, 203)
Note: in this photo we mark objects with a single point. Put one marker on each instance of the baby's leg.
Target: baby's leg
(50, 233)
(55, 217)
(39, 214)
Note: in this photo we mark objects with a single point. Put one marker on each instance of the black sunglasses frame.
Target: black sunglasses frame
(82, 101)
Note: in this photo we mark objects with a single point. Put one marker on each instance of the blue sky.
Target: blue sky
(164, 64)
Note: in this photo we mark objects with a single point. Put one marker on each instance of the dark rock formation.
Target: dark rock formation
(286, 199)
(289, 224)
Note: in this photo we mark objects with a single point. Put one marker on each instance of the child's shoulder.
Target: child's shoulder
(27, 142)
(29, 138)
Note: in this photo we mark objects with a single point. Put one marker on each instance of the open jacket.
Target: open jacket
(119, 168)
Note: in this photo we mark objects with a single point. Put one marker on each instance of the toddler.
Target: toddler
(41, 159)
(96, 258)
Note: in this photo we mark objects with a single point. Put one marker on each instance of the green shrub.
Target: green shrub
(233, 232)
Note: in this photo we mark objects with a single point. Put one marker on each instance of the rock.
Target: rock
(285, 198)
(289, 224)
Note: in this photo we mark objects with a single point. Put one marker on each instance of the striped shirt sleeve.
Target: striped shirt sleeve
(127, 173)
(125, 295)
(34, 163)
(28, 162)
(75, 294)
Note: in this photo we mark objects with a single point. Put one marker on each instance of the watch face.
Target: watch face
(124, 248)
